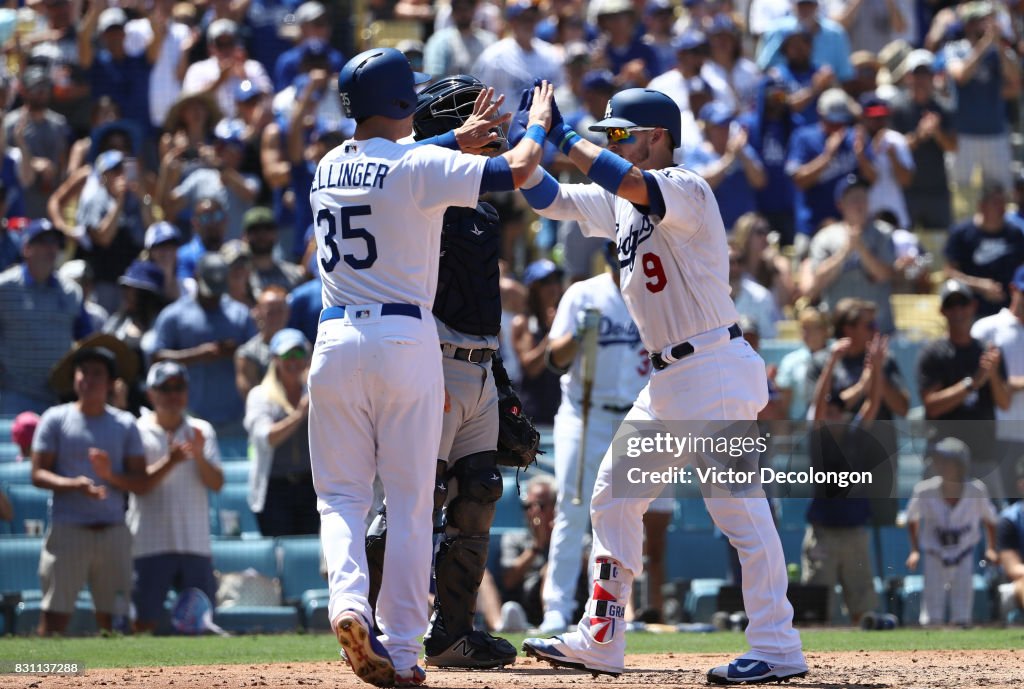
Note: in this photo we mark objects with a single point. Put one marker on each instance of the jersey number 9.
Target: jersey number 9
(325, 216)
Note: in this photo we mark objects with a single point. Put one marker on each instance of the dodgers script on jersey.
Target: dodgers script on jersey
(675, 287)
(370, 249)
(622, 363)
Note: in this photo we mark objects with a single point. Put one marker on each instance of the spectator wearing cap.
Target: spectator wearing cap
(42, 137)
(252, 359)
(269, 27)
(209, 226)
(739, 77)
(281, 490)
(161, 244)
(202, 333)
(455, 49)
(686, 86)
(565, 23)
(314, 25)
(962, 379)
(90, 455)
(539, 388)
(753, 300)
(56, 47)
(873, 24)
(1005, 330)
(511, 64)
(985, 73)
(142, 299)
(219, 175)
(893, 163)
(804, 80)
(81, 273)
(764, 15)
(113, 70)
(237, 255)
(227, 66)
(927, 123)
(114, 219)
(853, 257)
(40, 316)
(188, 126)
(260, 233)
(728, 162)
(170, 523)
(326, 100)
(821, 156)
(943, 516)
(659, 16)
(164, 40)
(255, 113)
(830, 44)
(984, 251)
(22, 431)
(621, 47)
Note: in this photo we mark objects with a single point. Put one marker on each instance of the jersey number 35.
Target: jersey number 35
(326, 217)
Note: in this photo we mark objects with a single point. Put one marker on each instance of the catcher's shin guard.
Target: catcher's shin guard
(607, 605)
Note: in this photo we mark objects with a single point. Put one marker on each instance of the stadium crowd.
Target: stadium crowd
(156, 251)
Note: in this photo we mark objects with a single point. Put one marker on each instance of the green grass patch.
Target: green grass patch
(141, 651)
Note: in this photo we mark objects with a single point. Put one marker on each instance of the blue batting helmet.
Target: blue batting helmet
(379, 82)
(642, 108)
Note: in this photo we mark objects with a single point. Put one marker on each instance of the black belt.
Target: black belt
(473, 356)
(685, 349)
(293, 478)
(411, 310)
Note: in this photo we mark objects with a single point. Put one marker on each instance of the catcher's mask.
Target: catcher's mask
(446, 105)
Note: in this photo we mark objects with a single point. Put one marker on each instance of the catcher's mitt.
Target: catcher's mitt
(518, 440)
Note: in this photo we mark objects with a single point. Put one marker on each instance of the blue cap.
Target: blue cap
(540, 270)
(163, 371)
(161, 233)
(517, 7)
(143, 275)
(38, 228)
(851, 181)
(599, 80)
(716, 113)
(229, 131)
(108, 160)
(721, 23)
(286, 340)
(655, 6)
(246, 90)
(689, 40)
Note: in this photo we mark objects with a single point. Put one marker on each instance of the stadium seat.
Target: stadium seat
(702, 599)
(8, 452)
(895, 548)
(234, 497)
(695, 555)
(29, 502)
(300, 566)
(791, 513)
(261, 556)
(233, 447)
(6, 423)
(83, 620)
(692, 515)
(917, 316)
(257, 619)
(236, 473)
(20, 570)
(16, 473)
(315, 616)
(237, 555)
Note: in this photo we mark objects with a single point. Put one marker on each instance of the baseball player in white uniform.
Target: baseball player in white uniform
(622, 368)
(375, 383)
(943, 516)
(675, 281)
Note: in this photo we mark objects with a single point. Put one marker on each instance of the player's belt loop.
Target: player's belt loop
(685, 349)
(473, 356)
(410, 310)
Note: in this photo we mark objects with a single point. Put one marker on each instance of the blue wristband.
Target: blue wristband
(446, 140)
(543, 194)
(564, 137)
(609, 170)
(536, 133)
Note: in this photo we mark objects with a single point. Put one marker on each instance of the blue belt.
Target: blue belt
(411, 310)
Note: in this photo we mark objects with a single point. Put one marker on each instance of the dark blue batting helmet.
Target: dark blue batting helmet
(642, 108)
(379, 82)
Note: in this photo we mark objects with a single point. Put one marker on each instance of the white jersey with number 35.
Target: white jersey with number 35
(378, 207)
(674, 270)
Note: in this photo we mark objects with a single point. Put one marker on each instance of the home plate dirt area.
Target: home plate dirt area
(851, 669)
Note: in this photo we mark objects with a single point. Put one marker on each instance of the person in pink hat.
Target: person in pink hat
(22, 431)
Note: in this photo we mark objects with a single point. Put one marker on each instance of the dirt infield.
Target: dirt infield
(863, 670)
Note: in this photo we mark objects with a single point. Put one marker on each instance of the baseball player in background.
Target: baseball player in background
(467, 309)
(675, 281)
(375, 384)
(943, 516)
(591, 311)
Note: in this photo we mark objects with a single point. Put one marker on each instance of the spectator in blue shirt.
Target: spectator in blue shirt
(804, 79)
(831, 46)
(314, 25)
(985, 74)
(820, 155)
(209, 222)
(631, 60)
(730, 165)
(659, 15)
(202, 333)
(984, 251)
(265, 19)
(113, 72)
(305, 302)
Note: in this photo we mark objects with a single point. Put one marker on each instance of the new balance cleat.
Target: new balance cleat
(750, 671)
(476, 650)
(559, 653)
(365, 654)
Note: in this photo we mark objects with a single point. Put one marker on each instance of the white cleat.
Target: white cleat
(750, 671)
(558, 652)
(364, 653)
